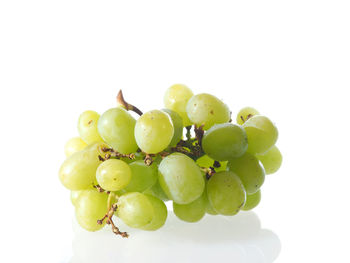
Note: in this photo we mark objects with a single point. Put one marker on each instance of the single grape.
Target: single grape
(113, 175)
(252, 201)
(143, 176)
(208, 110)
(78, 171)
(180, 178)
(74, 196)
(224, 141)
(154, 131)
(135, 209)
(157, 191)
(226, 193)
(74, 145)
(208, 207)
(90, 207)
(87, 127)
(178, 126)
(271, 160)
(116, 127)
(262, 134)
(176, 98)
(246, 113)
(191, 212)
(249, 170)
(206, 161)
(160, 214)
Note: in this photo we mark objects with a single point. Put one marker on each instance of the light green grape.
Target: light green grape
(87, 127)
(208, 110)
(157, 191)
(191, 212)
(180, 178)
(74, 145)
(90, 207)
(226, 193)
(178, 127)
(206, 161)
(78, 171)
(271, 160)
(154, 131)
(249, 170)
(252, 201)
(176, 98)
(74, 196)
(135, 209)
(245, 113)
(262, 134)
(113, 175)
(208, 207)
(160, 214)
(224, 141)
(116, 127)
(143, 176)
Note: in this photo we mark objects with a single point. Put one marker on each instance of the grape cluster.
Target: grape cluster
(190, 153)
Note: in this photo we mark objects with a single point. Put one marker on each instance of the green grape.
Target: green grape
(154, 131)
(262, 134)
(249, 170)
(113, 175)
(116, 127)
(191, 212)
(176, 98)
(78, 171)
(178, 127)
(74, 145)
(208, 207)
(74, 196)
(87, 127)
(90, 207)
(224, 141)
(246, 113)
(160, 214)
(143, 176)
(208, 110)
(271, 160)
(157, 191)
(226, 193)
(206, 161)
(252, 201)
(180, 178)
(135, 209)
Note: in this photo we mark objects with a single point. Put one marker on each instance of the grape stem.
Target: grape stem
(127, 106)
(209, 172)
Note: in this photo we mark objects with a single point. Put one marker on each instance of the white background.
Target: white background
(289, 59)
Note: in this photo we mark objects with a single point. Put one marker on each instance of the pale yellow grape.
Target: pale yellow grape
(191, 212)
(176, 98)
(180, 178)
(226, 193)
(178, 126)
(90, 207)
(87, 127)
(116, 127)
(74, 145)
(157, 191)
(135, 209)
(271, 160)
(113, 175)
(143, 176)
(262, 134)
(245, 113)
(160, 214)
(154, 131)
(252, 201)
(74, 196)
(208, 110)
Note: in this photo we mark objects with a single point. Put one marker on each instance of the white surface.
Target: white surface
(289, 59)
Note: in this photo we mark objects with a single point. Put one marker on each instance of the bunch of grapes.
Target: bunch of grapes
(189, 153)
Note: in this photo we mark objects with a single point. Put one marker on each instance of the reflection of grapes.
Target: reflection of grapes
(127, 167)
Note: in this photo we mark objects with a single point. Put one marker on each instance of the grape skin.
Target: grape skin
(178, 126)
(154, 131)
(252, 201)
(87, 127)
(191, 212)
(160, 214)
(74, 145)
(246, 113)
(176, 98)
(224, 141)
(143, 176)
(208, 110)
(271, 160)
